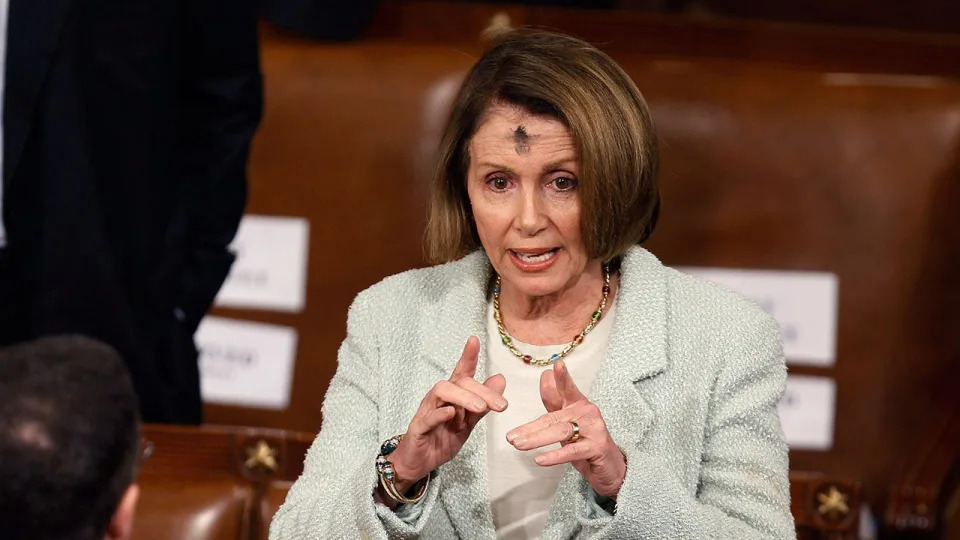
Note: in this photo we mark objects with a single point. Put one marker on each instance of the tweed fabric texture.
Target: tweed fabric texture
(688, 389)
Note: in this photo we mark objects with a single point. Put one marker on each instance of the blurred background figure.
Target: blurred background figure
(69, 441)
(126, 129)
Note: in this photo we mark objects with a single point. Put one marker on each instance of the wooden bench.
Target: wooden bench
(225, 483)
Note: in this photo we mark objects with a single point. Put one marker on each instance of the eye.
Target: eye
(498, 183)
(564, 183)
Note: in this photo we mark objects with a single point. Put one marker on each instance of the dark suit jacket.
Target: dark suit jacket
(127, 126)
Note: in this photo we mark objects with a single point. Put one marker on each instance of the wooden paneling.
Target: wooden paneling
(919, 15)
(778, 44)
(782, 149)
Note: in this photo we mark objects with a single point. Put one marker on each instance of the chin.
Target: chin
(534, 285)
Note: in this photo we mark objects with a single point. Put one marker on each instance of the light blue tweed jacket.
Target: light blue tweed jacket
(689, 390)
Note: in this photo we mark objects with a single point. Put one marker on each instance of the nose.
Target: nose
(532, 218)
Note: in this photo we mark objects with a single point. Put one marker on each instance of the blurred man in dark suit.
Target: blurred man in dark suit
(69, 441)
(126, 131)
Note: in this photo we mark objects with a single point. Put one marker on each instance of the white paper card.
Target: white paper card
(804, 303)
(271, 267)
(245, 363)
(807, 412)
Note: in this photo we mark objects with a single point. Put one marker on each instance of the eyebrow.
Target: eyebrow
(549, 167)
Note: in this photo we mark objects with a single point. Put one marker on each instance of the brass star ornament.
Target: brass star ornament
(833, 503)
(261, 455)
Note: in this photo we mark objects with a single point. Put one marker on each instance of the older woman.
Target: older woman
(621, 398)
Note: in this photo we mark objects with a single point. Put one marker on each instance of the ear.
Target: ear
(121, 525)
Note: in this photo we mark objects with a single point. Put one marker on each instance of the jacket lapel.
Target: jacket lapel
(33, 33)
(461, 313)
(637, 351)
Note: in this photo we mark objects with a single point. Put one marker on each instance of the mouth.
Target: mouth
(534, 259)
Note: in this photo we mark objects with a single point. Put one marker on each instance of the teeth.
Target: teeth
(535, 258)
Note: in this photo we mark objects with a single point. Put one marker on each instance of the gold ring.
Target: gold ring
(576, 432)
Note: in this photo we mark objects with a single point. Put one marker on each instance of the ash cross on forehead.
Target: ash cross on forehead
(522, 141)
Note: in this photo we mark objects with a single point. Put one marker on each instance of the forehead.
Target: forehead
(506, 129)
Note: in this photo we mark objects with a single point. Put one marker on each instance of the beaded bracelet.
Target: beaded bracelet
(388, 476)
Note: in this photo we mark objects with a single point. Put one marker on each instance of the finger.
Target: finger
(445, 392)
(467, 365)
(496, 383)
(565, 385)
(549, 394)
(568, 454)
(560, 432)
(493, 399)
(539, 424)
(433, 418)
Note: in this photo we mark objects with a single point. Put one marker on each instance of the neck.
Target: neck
(558, 317)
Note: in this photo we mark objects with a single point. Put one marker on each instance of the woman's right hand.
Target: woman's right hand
(445, 419)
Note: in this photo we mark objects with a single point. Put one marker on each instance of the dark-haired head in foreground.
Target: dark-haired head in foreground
(69, 441)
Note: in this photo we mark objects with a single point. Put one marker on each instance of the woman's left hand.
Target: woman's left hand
(593, 454)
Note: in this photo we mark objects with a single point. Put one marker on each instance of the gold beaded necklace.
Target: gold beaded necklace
(527, 359)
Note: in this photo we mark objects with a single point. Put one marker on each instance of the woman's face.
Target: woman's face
(523, 186)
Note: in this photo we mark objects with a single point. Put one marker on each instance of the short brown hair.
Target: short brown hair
(69, 437)
(552, 74)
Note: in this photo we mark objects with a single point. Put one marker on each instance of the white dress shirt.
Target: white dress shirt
(521, 491)
(3, 69)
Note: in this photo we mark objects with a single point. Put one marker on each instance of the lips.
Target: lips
(535, 256)
(533, 260)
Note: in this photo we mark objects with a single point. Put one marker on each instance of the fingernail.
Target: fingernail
(539, 460)
(479, 405)
(511, 437)
(519, 441)
(501, 404)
